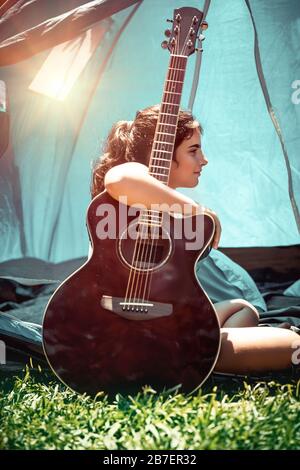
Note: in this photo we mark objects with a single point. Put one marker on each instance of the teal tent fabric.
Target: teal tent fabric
(223, 279)
(45, 173)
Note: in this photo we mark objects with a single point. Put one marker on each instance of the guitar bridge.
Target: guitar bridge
(136, 310)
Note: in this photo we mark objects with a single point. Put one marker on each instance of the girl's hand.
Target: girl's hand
(218, 228)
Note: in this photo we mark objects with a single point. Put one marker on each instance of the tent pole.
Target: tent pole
(198, 63)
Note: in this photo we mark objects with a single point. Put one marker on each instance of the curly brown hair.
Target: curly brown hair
(132, 141)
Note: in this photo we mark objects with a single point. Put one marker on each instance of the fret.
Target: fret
(170, 104)
(175, 68)
(174, 81)
(173, 104)
(169, 114)
(175, 77)
(168, 140)
(162, 159)
(162, 151)
(165, 97)
(175, 90)
(147, 221)
(159, 166)
(172, 93)
(160, 142)
(167, 129)
(152, 173)
(152, 216)
(150, 224)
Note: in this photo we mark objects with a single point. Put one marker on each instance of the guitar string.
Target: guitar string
(173, 76)
(155, 238)
(149, 245)
(150, 218)
(138, 244)
(133, 271)
(159, 230)
(153, 227)
(177, 75)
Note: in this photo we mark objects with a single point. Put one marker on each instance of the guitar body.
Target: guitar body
(94, 341)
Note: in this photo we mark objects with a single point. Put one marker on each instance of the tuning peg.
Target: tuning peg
(201, 37)
(168, 33)
(198, 49)
(204, 25)
(170, 21)
(164, 44)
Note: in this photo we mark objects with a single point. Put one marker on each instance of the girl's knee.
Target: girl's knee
(252, 316)
(247, 306)
(244, 316)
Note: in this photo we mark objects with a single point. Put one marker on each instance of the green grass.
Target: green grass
(37, 412)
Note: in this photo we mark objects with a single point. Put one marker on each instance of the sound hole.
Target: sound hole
(149, 251)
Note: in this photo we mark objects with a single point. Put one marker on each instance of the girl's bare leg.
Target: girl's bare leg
(256, 349)
(236, 313)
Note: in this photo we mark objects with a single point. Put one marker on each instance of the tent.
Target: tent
(69, 70)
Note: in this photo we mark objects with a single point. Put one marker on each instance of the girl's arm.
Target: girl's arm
(132, 180)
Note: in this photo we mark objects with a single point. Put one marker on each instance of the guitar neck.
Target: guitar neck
(165, 133)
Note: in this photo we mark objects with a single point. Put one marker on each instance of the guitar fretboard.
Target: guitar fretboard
(165, 133)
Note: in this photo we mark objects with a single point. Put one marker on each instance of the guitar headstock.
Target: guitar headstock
(185, 26)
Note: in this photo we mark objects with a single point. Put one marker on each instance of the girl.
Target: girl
(123, 170)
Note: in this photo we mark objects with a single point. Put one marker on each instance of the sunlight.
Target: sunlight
(65, 63)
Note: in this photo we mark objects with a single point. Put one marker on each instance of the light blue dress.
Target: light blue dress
(223, 279)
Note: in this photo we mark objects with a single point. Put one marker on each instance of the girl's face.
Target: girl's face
(190, 160)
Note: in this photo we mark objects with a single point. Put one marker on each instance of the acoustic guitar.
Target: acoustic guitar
(135, 313)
